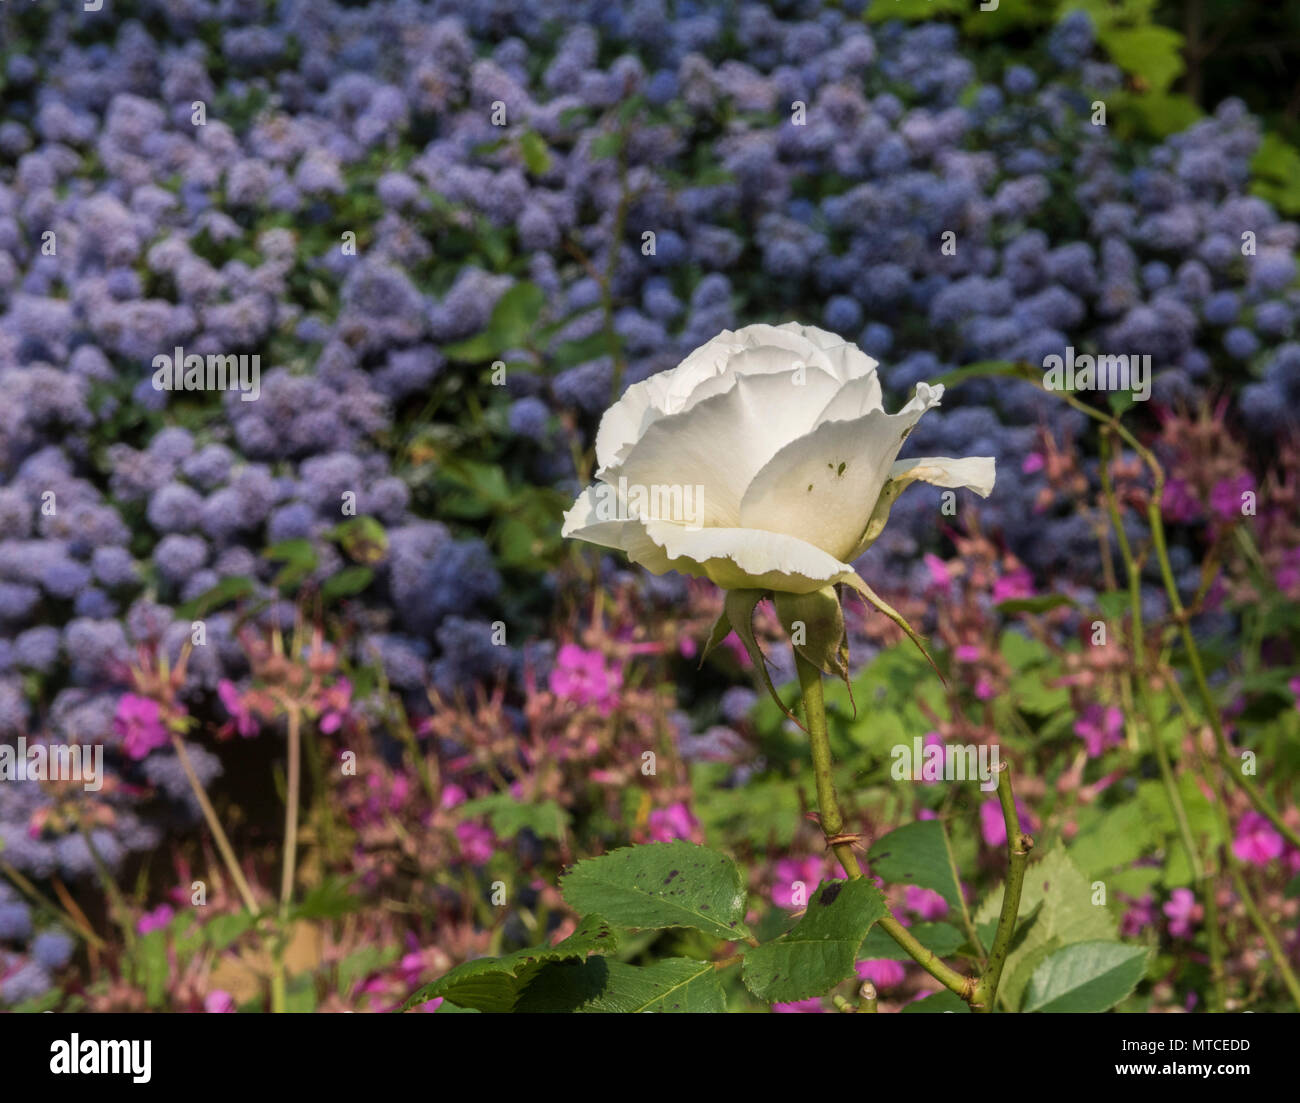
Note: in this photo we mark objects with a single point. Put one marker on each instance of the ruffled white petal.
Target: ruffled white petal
(741, 558)
(721, 443)
(823, 487)
(975, 473)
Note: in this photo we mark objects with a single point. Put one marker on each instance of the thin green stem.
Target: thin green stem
(971, 931)
(1018, 847)
(214, 825)
(832, 822)
(1204, 884)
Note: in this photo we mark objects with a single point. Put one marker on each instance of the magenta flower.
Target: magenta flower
(1140, 915)
(138, 723)
(1294, 686)
(968, 653)
(334, 705)
(940, 576)
(791, 870)
(800, 1007)
(993, 825)
(1100, 728)
(1225, 498)
(673, 822)
(1182, 910)
(1256, 840)
(1032, 463)
(476, 842)
(239, 712)
(1179, 504)
(1014, 584)
(586, 679)
(155, 920)
(882, 972)
(218, 1002)
(926, 903)
(1287, 578)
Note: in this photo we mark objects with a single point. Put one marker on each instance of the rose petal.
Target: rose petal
(723, 442)
(824, 487)
(741, 558)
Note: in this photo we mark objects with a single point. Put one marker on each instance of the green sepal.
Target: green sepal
(893, 614)
(739, 610)
(720, 631)
(824, 643)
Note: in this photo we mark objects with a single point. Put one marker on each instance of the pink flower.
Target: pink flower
(927, 903)
(1294, 686)
(1014, 584)
(584, 678)
(452, 795)
(334, 704)
(673, 822)
(1100, 729)
(1033, 462)
(984, 688)
(240, 713)
(155, 920)
(882, 972)
(1225, 498)
(993, 825)
(940, 576)
(802, 1007)
(1256, 840)
(476, 842)
(1178, 504)
(138, 723)
(788, 872)
(218, 1002)
(1287, 578)
(1182, 911)
(1140, 915)
(968, 653)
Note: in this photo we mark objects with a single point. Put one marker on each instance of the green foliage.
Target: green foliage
(509, 326)
(672, 985)
(508, 816)
(1085, 977)
(1057, 909)
(820, 950)
(915, 854)
(494, 984)
(676, 884)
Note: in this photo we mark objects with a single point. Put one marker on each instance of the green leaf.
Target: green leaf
(1150, 52)
(676, 884)
(915, 854)
(362, 538)
(330, 899)
(1085, 977)
(1044, 603)
(228, 589)
(1059, 899)
(494, 983)
(1276, 167)
(536, 156)
(349, 581)
(938, 1004)
(941, 938)
(508, 816)
(821, 949)
(673, 985)
(512, 320)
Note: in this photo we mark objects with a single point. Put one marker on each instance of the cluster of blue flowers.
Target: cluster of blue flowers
(187, 173)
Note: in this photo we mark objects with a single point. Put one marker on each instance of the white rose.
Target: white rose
(780, 459)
